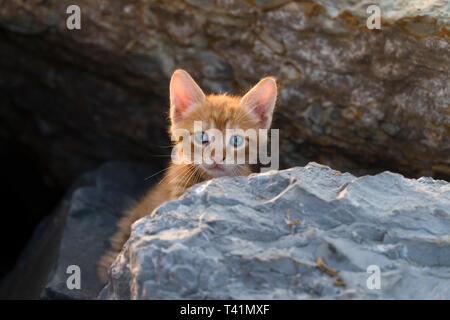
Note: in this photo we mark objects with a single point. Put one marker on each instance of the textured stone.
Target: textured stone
(259, 237)
(101, 92)
(87, 219)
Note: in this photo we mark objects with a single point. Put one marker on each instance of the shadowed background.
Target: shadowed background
(358, 100)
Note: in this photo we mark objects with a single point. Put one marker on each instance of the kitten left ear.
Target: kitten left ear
(184, 94)
(261, 101)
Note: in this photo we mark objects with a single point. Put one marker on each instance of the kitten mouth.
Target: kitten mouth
(215, 168)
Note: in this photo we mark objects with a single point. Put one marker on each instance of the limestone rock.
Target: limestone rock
(260, 237)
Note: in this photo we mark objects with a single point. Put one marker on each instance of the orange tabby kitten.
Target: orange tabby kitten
(188, 104)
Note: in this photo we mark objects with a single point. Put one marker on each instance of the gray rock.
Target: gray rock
(88, 218)
(259, 237)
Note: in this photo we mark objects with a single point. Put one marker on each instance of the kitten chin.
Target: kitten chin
(188, 104)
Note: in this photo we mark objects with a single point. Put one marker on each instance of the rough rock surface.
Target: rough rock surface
(350, 97)
(260, 237)
(87, 219)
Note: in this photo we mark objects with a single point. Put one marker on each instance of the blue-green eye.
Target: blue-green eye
(236, 141)
(201, 137)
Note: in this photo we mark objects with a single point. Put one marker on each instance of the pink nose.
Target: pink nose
(217, 159)
(216, 166)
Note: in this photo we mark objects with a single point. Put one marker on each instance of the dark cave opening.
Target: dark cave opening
(28, 197)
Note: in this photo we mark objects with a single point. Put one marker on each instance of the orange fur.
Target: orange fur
(215, 111)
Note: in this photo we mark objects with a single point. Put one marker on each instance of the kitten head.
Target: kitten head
(222, 129)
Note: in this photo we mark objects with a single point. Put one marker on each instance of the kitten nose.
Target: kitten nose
(217, 159)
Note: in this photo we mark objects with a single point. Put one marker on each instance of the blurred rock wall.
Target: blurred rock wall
(358, 100)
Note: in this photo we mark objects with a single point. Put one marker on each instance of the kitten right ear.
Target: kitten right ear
(184, 94)
(260, 100)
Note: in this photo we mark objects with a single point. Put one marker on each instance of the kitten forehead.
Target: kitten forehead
(219, 112)
(212, 124)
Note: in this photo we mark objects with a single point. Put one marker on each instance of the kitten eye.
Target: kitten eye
(236, 141)
(201, 137)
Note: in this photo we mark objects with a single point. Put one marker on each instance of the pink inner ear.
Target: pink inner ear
(184, 94)
(261, 100)
(181, 98)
